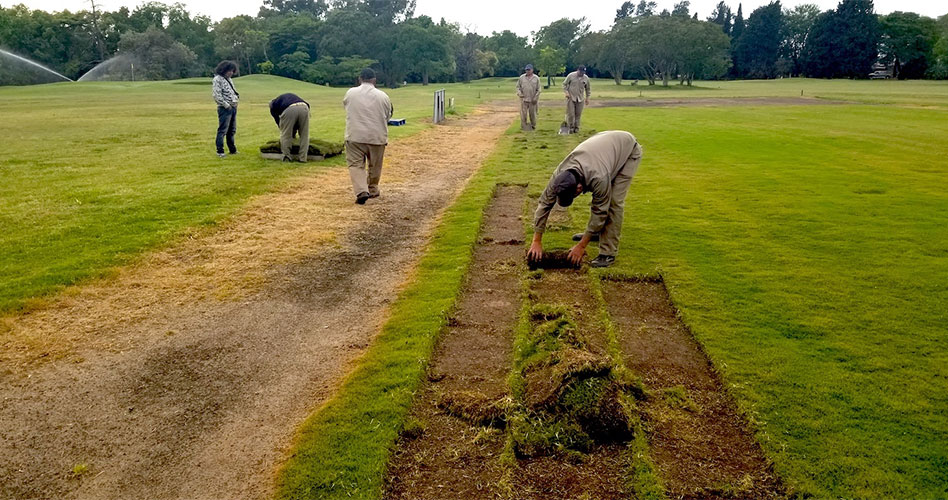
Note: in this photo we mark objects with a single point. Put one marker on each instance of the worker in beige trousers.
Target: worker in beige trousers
(576, 88)
(604, 166)
(291, 114)
(368, 110)
(528, 90)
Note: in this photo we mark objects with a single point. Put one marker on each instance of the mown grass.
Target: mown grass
(94, 173)
(806, 249)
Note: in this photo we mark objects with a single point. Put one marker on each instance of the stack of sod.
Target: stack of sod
(316, 148)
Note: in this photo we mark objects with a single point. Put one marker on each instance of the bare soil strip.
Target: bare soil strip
(714, 102)
(698, 439)
(602, 472)
(459, 414)
(186, 375)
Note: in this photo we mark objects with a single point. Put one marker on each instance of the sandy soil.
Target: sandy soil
(186, 375)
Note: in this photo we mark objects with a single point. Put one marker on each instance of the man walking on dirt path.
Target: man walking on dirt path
(603, 165)
(528, 90)
(368, 110)
(576, 88)
(291, 114)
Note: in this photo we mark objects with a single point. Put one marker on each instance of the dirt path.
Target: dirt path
(713, 101)
(185, 376)
(699, 441)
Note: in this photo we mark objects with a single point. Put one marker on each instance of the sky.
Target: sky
(486, 16)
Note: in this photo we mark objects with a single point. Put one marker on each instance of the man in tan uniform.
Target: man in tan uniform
(368, 110)
(603, 165)
(528, 90)
(291, 114)
(576, 88)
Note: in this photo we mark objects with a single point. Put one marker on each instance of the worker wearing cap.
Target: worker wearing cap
(604, 166)
(576, 88)
(291, 114)
(528, 90)
(368, 110)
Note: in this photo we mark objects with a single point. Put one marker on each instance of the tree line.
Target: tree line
(328, 43)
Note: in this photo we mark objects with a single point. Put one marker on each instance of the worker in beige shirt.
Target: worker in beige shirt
(603, 165)
(576, 88)
(368, 110)
(528, 90)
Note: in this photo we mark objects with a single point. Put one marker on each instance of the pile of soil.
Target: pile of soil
(573, 397)
(317, 147)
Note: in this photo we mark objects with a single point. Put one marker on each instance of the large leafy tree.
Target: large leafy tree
(939, 67)
(512, 51)
(703, 51)
(907, 42)
(615, 46)
(427, 48)
(563, 34)
(314, 8)
(473, 61)
(239, 39)
(797, 23)
(157, 56)
(757, 49)
(844, 42)
(551, 61)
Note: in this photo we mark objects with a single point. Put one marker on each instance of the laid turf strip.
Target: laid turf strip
(601, 470)
(451, 444)
(699, 442)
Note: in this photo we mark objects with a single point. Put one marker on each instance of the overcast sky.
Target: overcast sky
(485, 16)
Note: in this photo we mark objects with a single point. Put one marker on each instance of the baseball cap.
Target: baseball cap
(564, 187)
(529, 66)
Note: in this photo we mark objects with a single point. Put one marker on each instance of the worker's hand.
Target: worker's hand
(576, 254)
(536, 251)
(566, 94)
(587, 101)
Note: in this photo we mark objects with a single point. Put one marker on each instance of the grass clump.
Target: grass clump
(412, 429)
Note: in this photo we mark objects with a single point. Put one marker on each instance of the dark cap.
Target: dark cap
(529, 66)
(367, 74)
(564, 187)
(582, 68)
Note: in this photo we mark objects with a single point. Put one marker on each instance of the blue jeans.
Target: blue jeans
(226, 126)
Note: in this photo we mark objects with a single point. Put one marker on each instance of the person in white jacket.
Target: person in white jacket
(226, 97)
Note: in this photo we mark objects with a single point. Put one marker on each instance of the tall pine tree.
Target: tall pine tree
(736, 30)
(758, 47)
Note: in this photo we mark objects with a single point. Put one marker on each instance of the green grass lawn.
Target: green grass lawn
(807, 248)
(94, 173)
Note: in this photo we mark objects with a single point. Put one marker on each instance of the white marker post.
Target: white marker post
(438, 107)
